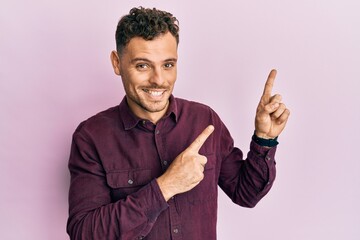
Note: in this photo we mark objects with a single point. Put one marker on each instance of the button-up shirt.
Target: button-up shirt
(115, 160)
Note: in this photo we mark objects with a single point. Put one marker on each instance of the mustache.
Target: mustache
(156, 86)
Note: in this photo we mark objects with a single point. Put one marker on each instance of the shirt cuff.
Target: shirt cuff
(265, 158)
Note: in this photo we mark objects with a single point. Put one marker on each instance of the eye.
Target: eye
(169, 65)
(142, 66)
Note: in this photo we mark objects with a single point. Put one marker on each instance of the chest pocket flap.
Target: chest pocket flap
(128, 178)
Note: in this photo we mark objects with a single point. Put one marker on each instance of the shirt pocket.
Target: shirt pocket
(125, 182)
(206, 190)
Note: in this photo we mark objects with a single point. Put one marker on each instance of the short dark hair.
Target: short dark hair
(146, 23)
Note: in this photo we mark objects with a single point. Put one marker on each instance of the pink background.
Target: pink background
(55, 72)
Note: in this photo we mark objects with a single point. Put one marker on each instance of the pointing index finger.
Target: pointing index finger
(200, 140)
(269, 83)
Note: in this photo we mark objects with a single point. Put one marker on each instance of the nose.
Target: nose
(157, 77)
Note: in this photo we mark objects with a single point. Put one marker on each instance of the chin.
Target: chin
(155, 107)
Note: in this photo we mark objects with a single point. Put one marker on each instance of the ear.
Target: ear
(115, 61)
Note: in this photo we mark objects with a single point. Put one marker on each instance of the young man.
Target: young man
(149, 168)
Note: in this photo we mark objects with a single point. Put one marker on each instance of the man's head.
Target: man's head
(145, 23)
(146, 58)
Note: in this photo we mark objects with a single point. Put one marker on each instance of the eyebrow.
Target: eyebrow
(147, 60)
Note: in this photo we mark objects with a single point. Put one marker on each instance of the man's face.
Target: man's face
(148, 71)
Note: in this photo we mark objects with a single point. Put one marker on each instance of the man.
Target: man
(149, 168)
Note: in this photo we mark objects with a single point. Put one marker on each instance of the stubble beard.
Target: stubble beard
(149, 106)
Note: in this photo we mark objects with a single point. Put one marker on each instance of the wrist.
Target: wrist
(164, 190)
(265, 141)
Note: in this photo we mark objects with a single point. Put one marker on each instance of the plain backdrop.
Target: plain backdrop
(55, 72)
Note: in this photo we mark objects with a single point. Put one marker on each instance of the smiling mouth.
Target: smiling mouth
(154, 93)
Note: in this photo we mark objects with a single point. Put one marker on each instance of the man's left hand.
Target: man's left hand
(271, 114)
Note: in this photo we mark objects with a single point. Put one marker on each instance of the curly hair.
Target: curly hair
(146, 23)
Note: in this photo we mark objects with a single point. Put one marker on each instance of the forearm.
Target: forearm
(251, 179)
(260, 169)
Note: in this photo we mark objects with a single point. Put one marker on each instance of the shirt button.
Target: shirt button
(268, 158)
(157, 132)
(143, 122)
(176, 230)
(268, 183)
(130, 182)
(165, 163)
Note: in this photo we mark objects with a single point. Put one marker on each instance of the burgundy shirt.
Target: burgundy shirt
(115, 160)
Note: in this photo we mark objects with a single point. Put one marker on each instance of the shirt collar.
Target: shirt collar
(130, 121)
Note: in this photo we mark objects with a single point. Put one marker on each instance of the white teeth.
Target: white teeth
(155, 93)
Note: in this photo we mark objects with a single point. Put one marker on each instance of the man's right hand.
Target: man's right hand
(187, 170)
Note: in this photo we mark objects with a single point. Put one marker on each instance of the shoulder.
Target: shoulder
(100, 121)
(184, 104)
(192, 109)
